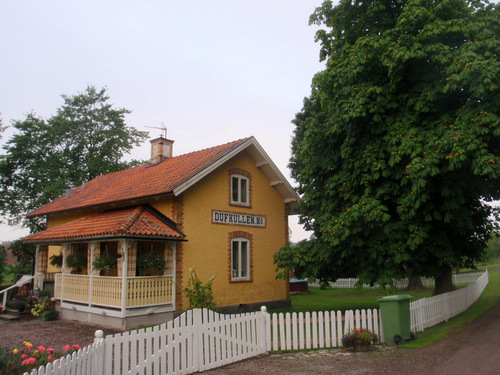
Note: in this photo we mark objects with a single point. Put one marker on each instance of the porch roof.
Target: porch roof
(132, 222)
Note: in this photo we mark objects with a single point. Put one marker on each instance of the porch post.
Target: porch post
(37, 282)
(124, 245)
(64, 250)
(174, 273)
(37, 260)
(91, 254)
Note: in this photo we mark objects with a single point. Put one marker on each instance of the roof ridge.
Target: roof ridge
(131, 219)
(210, 148)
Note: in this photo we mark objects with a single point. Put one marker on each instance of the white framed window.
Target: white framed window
(240, 190)
(240, 259)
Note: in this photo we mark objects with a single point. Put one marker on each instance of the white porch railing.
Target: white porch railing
(107, 291)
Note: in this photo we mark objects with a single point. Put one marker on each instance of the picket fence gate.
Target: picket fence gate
(197, 340)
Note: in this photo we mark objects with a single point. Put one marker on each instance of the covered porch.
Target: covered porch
(122, 279)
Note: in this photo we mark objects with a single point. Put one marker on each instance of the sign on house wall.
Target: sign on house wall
(222, 217)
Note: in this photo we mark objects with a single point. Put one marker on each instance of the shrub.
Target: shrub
(200, 296)
(10, 363)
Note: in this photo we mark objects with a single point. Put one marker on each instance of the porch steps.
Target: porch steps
(10, 315)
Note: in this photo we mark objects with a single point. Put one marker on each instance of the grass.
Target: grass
(488, 299)
(343, 299)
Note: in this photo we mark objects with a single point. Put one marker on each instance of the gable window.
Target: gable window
(240, 190)
(240, 259)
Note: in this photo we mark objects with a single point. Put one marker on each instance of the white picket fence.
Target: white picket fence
(428, 312)
(201, 339)
(197, 340)
(315, 330)
(457, 279)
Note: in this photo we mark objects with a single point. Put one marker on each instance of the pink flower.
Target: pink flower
(50, 350)
(29, 361)
(77, 347)
(24, 356)
(41, 348)
(67, 347)
(50, 357)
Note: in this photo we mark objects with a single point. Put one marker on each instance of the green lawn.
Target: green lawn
(343, 299)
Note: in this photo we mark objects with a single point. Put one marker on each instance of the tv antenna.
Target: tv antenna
(163, 128)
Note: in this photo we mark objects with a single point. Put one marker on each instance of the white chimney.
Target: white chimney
(161, 149)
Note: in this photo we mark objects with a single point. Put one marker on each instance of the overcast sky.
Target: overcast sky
(211, 71)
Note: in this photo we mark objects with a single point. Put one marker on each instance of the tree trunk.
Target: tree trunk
(414, 281)
(444, 282)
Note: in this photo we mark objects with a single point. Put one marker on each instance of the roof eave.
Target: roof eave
(58, 241)
(95, 206)
(263, 162)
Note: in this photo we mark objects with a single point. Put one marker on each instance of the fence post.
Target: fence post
(98, 357)
(265, 331)
(197, 339)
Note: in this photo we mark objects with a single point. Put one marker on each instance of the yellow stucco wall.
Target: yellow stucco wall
(208, 246)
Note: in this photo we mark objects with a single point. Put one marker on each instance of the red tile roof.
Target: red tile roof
(129, 222)
(139, 182)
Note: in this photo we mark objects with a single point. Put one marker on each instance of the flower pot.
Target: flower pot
(360, 347)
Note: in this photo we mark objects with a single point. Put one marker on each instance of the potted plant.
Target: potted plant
(56, 260)
(151, 263)
(359, 339)
(77, 261)
(105, 262)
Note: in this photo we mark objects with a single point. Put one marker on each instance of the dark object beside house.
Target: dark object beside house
(299, 286)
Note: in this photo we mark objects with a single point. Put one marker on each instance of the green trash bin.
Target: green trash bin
(395, 312)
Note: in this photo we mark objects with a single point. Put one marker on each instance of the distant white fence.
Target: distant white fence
(428, 312)
(457, 278)
(315, 330)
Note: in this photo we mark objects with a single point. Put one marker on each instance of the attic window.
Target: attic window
(240, 190)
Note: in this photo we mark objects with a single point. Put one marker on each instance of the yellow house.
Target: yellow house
(128, 239)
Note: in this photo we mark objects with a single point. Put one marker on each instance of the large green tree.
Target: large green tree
(396, 150)
(87, 137)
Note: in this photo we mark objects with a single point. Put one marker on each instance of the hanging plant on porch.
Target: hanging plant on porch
(77, 260)
(151, 261)
(56, 260)
(105, 262)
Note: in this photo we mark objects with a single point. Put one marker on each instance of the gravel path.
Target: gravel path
(54, 334)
